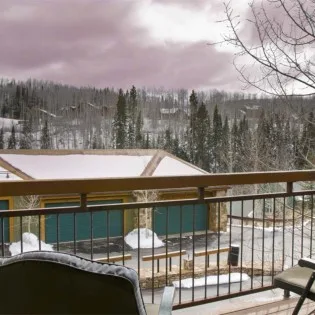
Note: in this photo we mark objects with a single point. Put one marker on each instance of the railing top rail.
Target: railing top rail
(85, 186)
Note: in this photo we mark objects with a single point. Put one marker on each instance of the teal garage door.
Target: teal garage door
(175, 219)
(4, 205)
(83, 224)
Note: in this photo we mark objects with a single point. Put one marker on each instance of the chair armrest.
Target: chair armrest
(307, 262)
(167, 301)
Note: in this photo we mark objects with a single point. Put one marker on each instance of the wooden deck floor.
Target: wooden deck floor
(284, 307)
(250, 306)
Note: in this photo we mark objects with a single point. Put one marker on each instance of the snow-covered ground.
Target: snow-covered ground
(146, 239)
(7, 123)
(30, 243)
(212, 280)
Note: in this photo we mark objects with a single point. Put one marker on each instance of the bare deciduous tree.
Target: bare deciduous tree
(29, 202)
(146, 214)
(280, 49)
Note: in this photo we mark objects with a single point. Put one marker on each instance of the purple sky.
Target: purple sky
(116, 43)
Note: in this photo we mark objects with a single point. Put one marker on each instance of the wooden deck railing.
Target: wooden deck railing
(200, 223)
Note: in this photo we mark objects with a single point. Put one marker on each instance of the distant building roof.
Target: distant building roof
(173, 110)
(75, 164)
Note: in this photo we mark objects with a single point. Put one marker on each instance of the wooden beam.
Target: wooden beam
(86, 186)
(163, 255)
(113, 259)
(212, 251)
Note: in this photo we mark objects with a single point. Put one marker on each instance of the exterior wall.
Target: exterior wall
(11, 222)
(145, 215)
(128, 217)
(214, 215)
(31, 224)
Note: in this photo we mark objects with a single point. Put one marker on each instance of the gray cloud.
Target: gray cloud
(99, 43)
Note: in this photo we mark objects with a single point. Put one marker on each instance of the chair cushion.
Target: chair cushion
(295, 279)
(57, 283)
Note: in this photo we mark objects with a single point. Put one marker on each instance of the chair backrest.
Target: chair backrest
(57, 283)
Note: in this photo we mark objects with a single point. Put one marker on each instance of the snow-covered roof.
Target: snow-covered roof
(67, 164)
(172, 167)
(173, 110)
(93, 106)
(168, 110)
(47, 113)
(7, 175)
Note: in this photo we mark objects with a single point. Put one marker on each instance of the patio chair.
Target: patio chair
(298, 279)
(57, 283)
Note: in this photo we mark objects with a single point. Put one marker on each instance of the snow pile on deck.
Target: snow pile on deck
(212, 280)
(146, 239)
(30, 243)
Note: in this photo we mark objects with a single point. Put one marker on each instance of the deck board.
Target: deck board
(283, 307)
(234, 307)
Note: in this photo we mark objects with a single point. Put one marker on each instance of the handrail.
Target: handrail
(85, 186)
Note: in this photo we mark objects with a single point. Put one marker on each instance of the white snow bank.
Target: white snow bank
(212, 280)
(145, 239)
(30, 243)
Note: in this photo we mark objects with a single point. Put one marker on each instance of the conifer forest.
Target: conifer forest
(216, 130)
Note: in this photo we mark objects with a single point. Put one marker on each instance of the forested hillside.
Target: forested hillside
(216, 130)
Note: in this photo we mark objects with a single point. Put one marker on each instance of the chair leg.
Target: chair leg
(304, 295)
(286, 294)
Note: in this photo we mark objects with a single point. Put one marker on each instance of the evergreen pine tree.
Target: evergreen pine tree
(120, 120)
(217, 139)
(45, 142)
(237, 159)
(202, 137)
(12, 139)
(225, 146)
(193, 126)
(1, 139)
(139, 126)
(168, 140)
(146, 143)
(132, 117)
(26, 137)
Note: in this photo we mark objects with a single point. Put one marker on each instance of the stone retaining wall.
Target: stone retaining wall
(160, 280)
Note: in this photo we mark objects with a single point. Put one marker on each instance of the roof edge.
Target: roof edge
(83, 152)
(9, 167)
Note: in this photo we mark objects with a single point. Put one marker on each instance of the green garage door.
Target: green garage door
(174, 219)
(83, 223)
(4, 205)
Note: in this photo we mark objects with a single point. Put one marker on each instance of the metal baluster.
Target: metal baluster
(193, 253)
(166, 260)
(153, 250)
(75, 233)
(39, 234)
(263, 243)
(21, 232)
(253, 247)
(242, 240)
(219, 243)
(283, 230)
(57, 229)
(273, 239)
(91, 234)
(180, 249)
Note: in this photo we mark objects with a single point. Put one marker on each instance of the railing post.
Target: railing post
(201, 193)
(83, 202)
(289, 188)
